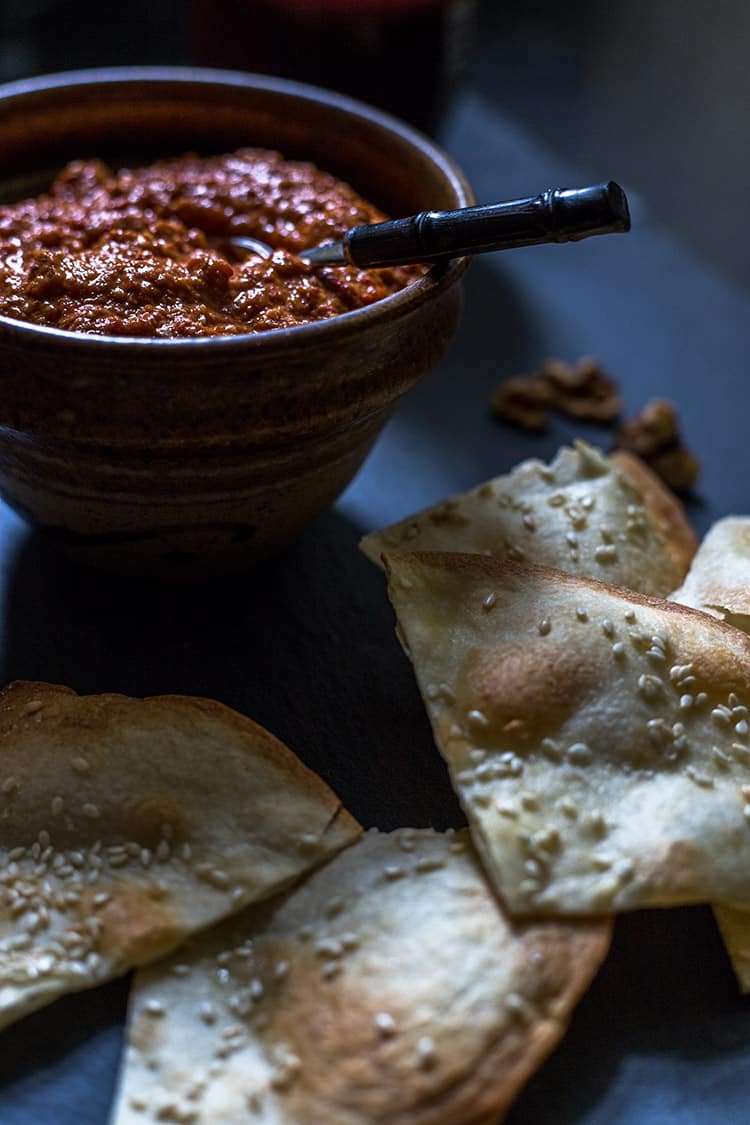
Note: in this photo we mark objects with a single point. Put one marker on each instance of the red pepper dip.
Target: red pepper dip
(139, 252)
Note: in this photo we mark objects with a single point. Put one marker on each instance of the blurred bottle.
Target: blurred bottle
(405, 56)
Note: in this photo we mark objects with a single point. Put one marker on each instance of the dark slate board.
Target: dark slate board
(305, 644)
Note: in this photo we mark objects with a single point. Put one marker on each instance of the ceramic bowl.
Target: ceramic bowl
(188, 458)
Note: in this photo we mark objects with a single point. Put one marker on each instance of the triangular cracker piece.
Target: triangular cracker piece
(387, 987)
(603, 517)
(599, 740)
(734, 927)
(126, 824)
(718, 581)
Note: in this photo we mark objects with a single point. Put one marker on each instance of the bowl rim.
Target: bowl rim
(438, 277)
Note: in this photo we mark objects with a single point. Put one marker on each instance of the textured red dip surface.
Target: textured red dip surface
(133, 253)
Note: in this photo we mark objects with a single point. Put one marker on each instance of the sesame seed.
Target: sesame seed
(568, 808)
(506, 810)
(281, 970)
(579, 754)
(544, 626)
(90, 811)
(393, 871)
(477, 719)
(32, 707)
(733, 700)
(10, 785)
(741, 728)
(428, 864)
(207, 1013)
(686, 701)
(330, 970)
(154, 1008)
(489, 602)
(426, 1052)
(618, 649)
(699, 778)
(581, 614)
(385, 1024)
(629, 616)
(608, 628)
(80, 765)
(649, 687)
(550, 750)
(741, 754)
(606, 554)
(180, 970)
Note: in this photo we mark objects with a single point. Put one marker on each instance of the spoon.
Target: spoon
(556, 215)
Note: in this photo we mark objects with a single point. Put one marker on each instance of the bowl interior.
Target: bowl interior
(132, 116)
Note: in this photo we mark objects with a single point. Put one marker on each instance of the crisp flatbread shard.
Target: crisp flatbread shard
(126, 824)
(387, 987)
(603, 517)
(598, 739)
(718, 581)
(734, 927)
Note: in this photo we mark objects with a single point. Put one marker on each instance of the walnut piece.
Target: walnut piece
(654, 435)
(523, 401)
(583, 391)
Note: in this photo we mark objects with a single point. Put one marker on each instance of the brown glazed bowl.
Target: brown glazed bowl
(189, 458)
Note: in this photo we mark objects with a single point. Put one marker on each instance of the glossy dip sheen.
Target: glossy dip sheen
(139, 252)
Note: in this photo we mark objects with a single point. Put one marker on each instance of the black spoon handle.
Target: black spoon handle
(561, 215)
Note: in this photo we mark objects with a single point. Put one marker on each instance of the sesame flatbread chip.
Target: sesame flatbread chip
(387, 987)
(718, 581)
(598, 739)
(603, 517)
(127, 824)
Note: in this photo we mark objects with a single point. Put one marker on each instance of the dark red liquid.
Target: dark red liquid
(404, 56)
